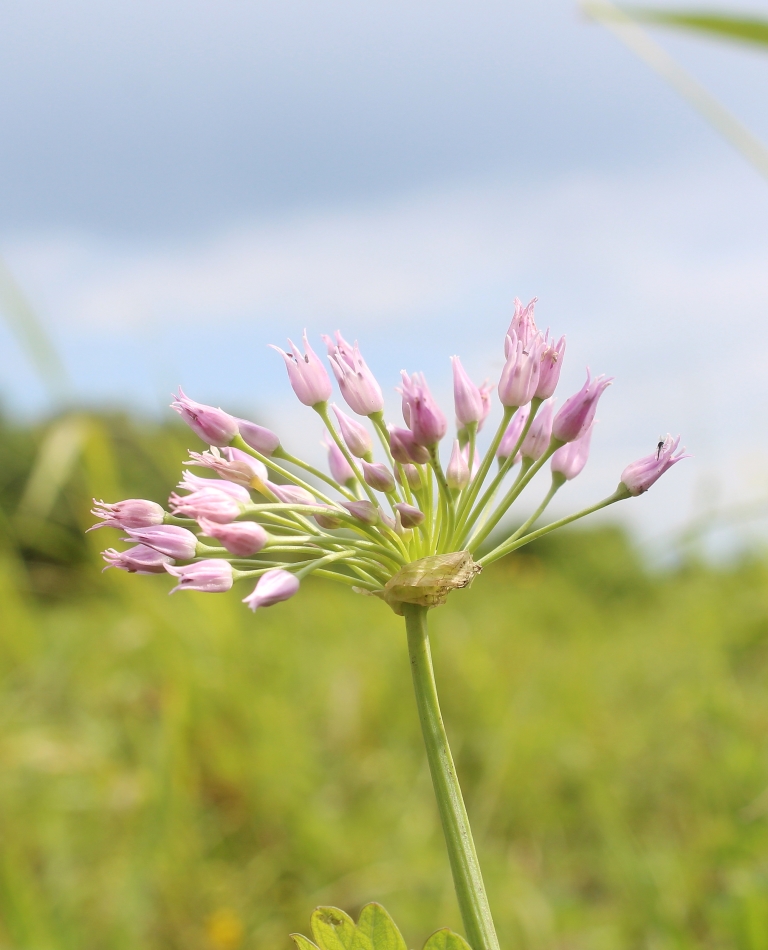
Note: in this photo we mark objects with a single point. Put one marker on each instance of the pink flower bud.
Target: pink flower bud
(512, 436)
(354, 433)
(168, 539)
(194, 483)
(467, 399)
(571, 458)
(537, 438)
(364, 511)
(520, 376)
(214, 426)
(261, 439)
(356, 382)
(577, 412)
(131, 513)
(410, 517)
(291, 494)
(339, 467)
(207, 503)
(137, 560)
(405, 448)
(485, 398)
(523, 325)
(272, 588)
(640, 475)
(213, 576)
(457, 473)
(231, 464)
(327, 521)
(306, 373)
(378, 476)
(411, 475)
(551, 364)
(424, 417)
(241, 538)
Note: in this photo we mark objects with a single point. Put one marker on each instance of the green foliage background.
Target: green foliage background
(179, 773)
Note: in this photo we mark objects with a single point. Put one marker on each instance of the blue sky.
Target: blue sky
(184, 183)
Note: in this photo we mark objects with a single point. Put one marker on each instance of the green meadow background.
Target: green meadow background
(180, 774)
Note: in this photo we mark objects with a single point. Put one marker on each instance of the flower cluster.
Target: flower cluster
(268, 515)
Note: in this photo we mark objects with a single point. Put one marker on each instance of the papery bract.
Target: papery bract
(306, 373)
(214, 426)
(212, 576)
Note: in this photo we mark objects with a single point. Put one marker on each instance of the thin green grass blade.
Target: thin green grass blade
(744, 29)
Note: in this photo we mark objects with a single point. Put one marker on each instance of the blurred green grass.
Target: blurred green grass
(179, 773)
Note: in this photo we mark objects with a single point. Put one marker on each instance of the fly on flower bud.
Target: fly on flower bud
(131, 513)
(410, 517)
(551, 365)
(570, 459)
(577, 412)
(457, 473)
(213, 576)
(261, 439)
(233, 465)
(356, 382)
(424, 417)
(340, 469)
(536, 441)
(467, 399)
(355, 435)
(512, 436)
(520, 376)
(137, 560)
(207, 503)
(638, 476)
(168, 539)
(241, 538)
(405, 448)
(364, 511)
(306, 373)
(214, 426)
(378, 476)
(272, 588)
(410, 474)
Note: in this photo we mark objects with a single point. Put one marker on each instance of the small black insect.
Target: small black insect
(659, 447)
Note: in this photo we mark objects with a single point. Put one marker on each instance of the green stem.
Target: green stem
(558, 481)
(467, 877)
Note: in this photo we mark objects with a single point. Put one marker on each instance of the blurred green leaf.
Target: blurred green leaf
(378, 929)
(446, 940)
(746, 29)
(332, 928)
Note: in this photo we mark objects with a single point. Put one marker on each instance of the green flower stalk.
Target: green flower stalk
(400, 527)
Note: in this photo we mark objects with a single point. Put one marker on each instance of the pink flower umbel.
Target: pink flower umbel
(405, 448)
(306, 373)
(457, 473)
(551, 364)
(356, 382)
(213, 576)
(571, 458)
(137, 560)
(355, 435)
(577, 412)
(338, 465)
(537, 438)
(214, 426)
(168, 539)
(520, 376)
(233, 465)
(207, 503)
(640, 475)
(512, 436)
(424, 417)
(131, 513)
(272, 588)
(241, 538)
(261, 439)
(467, 398)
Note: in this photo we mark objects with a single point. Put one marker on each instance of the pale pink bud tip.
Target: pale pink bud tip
(570, 459)
(410, 517)
(214, 426)
(213, 576)
(512, 436)
(577, 412)
(306, 373)
(354, 433)
(537, 438)
(272, 588)
(241, 538)
(291, 494)
(340, 469)
(358, 386)
(405, 448)
(364, 511)
(194, 483)
(261, 439)
(137, 560)
(378, 476)
(457, 473)
(422, 414)
(131, 513)
(468, 401)
(640, 475)
(168, 539)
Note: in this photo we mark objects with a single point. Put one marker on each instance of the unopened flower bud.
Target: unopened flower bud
(424, 417)
(523, 325)
(330, 522)
(577, 412)
(537, 438)
(485, 398)
(233, 465)
(193, 483)
(410, 516)
(640, 475)
(131, 513)
(551, 365)
(364, 511)
(214, 426)
(340, 469)
(241, 538)
(466, 396)
(571, 458)
(272, 588)
(520, 376)
(378, 476)
(261, 439)
(207, 503)
(512, 436)
(306, 373)
(139, 559)
(405, 448)
(411, 475)
(356, 382)
(168, 539)
(354, 433)
(457, 473)
(291, 494)
(212, 576)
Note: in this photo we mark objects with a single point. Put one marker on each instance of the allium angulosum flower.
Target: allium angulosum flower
(399, 527)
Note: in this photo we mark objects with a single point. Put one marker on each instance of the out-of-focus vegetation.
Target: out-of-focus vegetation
(179, 773)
